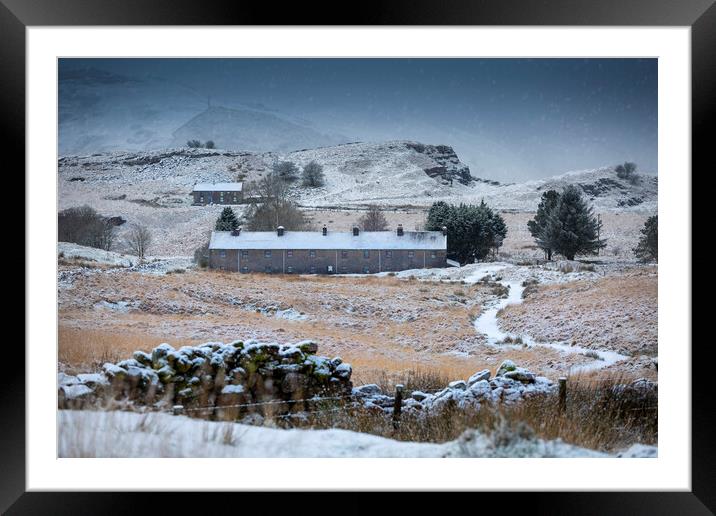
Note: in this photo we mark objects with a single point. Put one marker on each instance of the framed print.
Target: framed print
(419, 246)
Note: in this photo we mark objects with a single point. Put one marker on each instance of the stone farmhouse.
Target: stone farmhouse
(327, 252)
(218, 193)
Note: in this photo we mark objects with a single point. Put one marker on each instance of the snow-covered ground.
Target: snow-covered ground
(128, 434)
(94, 256)
(154, 187)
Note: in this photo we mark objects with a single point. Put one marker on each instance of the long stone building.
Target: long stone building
(218, 193)
(327, 252)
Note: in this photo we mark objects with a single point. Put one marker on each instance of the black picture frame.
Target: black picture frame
(700, 15)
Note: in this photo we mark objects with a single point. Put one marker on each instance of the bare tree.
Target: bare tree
(271, 188)
(373, 220)
(139, 240)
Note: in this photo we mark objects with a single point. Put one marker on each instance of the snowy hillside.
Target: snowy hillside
(251, 130)
(394, 173)
(102, 111)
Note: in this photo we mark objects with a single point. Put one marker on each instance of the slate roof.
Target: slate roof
(388, 240)
(218, 187)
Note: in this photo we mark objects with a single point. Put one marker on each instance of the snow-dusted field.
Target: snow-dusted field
(450, 319)
(127, 434)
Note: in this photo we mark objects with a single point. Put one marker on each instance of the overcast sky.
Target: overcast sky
(509, 119)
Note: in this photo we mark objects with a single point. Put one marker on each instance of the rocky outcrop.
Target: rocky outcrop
(448, 166)
(225, 381)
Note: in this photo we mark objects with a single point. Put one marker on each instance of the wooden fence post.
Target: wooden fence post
(562, 394)
(398, 405)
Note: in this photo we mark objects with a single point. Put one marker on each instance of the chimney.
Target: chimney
(355, 230)
(325, 230)
(444, 230)
(279, 231)
(236, 232)
(400, 230)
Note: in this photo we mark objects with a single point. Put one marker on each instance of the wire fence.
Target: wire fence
(181, 408)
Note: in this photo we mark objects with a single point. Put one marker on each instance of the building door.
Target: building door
(209, 198)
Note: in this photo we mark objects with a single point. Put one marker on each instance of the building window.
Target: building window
(267, 268)
(244, 254)
(313, 269)
(366, 270)
(201, 198)
(344, 254)
(433, 254)
(344, 269)
(223, 254)
(411, 254)
(289, 269)
(245, 268)
(366, 254)
(289, 253)
(312, 253)
(389, 254)
(267, 254)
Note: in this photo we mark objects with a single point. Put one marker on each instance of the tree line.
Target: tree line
(84, 226)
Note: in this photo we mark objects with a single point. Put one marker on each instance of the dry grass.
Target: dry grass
(86, 350)
(626, 305)
(594, 418)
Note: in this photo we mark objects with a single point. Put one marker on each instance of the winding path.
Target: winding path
(487, 324)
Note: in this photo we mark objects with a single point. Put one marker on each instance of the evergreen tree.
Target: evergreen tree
(473, 231)
(648, 247)
(286, 170)
(312, 175)
(227, 221)
(547, 203)
(571, 227)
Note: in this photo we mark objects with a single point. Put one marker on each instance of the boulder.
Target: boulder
(521, 375)
(343, 371)
(307, 346)
(478, 377)
(143, 358)
(370, 389)
(459, 385)
(418, 395)
(507, 365)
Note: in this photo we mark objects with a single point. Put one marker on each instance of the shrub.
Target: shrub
(286, 170)
(312, 175)
(86, 227)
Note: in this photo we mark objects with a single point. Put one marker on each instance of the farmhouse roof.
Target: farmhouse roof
(218, 187)
(386, 240)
